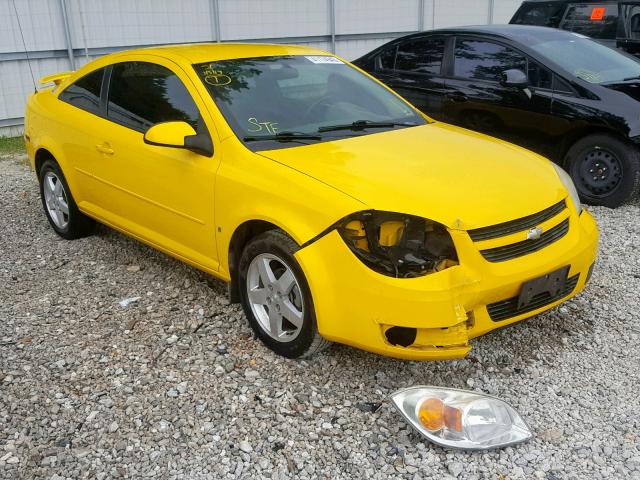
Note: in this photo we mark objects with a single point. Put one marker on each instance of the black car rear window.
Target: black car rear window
(596, 20)
(542, 15)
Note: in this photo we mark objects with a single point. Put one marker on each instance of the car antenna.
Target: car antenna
(24, 44)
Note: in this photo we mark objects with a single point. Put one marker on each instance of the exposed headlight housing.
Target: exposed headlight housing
(461, 419)
(567, 181)
(398, 245)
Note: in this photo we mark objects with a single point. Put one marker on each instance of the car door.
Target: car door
(413, 68)
(477, 99)
(162, 195)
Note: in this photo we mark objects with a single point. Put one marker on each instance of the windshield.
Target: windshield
(589, 60)
(284, 101)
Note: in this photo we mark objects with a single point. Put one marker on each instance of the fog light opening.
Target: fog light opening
(401, 336)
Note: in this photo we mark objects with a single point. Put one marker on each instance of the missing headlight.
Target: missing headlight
(398, 245)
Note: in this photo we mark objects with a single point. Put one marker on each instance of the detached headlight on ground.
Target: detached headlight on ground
(461, 419)
(398, 245)
(567, 181)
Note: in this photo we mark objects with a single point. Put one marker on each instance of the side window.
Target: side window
(593, 19)
(387, 59)
(85, 92)
(142, 94)
(539, 76)
(421, 56)
(562, 86)
(477, 59)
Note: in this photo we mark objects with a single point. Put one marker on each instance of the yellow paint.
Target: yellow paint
(189, 206)
(169, 133)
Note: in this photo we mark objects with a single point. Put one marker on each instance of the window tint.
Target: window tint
(561, 85)
(421, 56)
(485, 60)
(540, 15)
(539, 76)
(85, 92)
(142, 94)
(594, 20)
(387, 59)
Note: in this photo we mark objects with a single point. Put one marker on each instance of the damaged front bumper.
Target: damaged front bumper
(435, 316)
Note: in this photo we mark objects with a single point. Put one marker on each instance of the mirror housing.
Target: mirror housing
(180, 135)
(514, 78)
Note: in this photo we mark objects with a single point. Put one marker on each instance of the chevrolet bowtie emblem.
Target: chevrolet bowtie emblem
(535, 233)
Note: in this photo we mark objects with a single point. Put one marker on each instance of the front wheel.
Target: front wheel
(276, 297)
(604, 169)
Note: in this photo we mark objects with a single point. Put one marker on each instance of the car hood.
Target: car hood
(631, 90)
(450, 175)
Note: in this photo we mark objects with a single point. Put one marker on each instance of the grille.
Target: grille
(514, 250)
(509, 308)
(513, 226)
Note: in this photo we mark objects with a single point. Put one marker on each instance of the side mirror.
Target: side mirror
(179, 135)
(514, 78)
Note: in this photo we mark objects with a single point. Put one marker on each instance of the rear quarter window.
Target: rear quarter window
(85, 92)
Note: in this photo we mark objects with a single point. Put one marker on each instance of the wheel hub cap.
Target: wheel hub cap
(275, 297)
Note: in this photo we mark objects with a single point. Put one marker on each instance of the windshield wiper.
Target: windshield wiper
(364, 124)
(628, 79)
(283, 137)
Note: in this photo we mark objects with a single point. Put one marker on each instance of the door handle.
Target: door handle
(105, 148)
(457, 97)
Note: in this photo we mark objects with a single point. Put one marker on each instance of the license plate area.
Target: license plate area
(551, 283)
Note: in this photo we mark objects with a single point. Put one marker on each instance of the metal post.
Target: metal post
(67, 33)
(491, 9)
(433, 14)
(215, 20)
(421, 15)
(332, 24)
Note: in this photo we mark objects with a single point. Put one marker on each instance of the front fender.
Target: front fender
(252, 187)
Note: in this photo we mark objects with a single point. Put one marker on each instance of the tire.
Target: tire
(279, 292)
(59, 206)
(604, 169)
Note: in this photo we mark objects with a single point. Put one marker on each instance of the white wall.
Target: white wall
(98, 26)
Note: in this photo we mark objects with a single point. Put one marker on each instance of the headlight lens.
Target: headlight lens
(567, 181)
(398, 245)
(461, 419)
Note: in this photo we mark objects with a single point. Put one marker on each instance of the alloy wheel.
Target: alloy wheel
(56, 201)
(275, 297)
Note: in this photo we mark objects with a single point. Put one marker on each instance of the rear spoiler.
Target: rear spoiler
(56, 78)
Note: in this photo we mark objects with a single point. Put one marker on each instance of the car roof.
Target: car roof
(519, 33)
(207, 52)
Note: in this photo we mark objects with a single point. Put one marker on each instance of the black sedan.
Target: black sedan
(557, 93)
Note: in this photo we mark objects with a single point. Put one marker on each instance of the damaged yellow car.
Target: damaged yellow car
(335, 210)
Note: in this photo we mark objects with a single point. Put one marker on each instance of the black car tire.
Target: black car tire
(622, 169)
(77, 224)
(279, 246)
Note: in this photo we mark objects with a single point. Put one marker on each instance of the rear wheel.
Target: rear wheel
(276, 297)
(605, 170)
(59, 206)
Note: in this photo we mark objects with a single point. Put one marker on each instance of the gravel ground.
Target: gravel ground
(175, 386)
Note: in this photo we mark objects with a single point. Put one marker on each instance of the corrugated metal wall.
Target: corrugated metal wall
(96, 27)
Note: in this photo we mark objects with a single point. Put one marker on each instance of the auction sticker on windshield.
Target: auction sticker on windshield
(324, 59)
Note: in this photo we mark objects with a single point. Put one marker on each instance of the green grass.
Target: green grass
(11, 145)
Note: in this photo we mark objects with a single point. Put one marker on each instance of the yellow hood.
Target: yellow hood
(459, 178)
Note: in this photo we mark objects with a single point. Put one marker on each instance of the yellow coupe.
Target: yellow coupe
(335, 210)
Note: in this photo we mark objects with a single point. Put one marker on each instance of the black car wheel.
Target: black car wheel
(59, 206)
(605, 170)
(276, 297)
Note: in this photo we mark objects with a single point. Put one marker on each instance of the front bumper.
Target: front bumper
(356, 306)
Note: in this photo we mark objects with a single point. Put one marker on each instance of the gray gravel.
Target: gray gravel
(173, 385)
